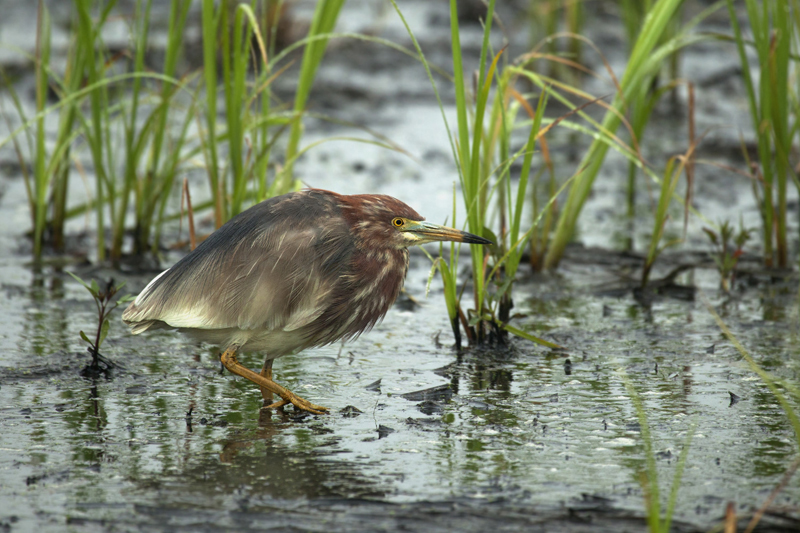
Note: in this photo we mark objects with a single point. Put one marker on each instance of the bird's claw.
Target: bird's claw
(300, 404)
(277, 405)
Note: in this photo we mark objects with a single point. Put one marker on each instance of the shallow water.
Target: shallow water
(519, 426)
(420, 437)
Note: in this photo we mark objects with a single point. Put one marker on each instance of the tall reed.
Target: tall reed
(96, 127)
(166, 142)
(135, 125)
(45, 192)
(468, 147)
(152, 152)
(484, 158)
(41, 176)
(234, 59)
(47, 188)
(650, 91)
(771, 108)
(676, 166)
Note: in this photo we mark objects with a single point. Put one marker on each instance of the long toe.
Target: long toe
(305, 405)
(276, 405)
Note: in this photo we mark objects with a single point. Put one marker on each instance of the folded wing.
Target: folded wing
(273, 267)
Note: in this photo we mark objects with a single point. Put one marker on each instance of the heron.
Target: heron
(303, 269)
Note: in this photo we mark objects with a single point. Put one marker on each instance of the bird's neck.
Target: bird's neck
(384, 272)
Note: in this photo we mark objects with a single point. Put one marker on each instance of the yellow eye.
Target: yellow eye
(398, 222)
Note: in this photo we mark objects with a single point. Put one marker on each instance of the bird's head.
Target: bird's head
(380, 221)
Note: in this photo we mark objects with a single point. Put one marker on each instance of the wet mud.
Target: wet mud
(420, 437)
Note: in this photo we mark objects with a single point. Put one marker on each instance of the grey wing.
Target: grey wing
(268, 271)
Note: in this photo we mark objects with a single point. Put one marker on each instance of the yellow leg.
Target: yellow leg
(229, 360)
(266, 373)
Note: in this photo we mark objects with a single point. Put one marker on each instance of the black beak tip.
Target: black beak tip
(474, 239)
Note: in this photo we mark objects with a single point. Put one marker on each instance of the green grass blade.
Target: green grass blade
(462, 147)
(676, 480)
(210, 21)
(41, 179)
(323, 22)
(650, 482)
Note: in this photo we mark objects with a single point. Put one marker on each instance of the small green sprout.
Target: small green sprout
(105, 301)
(729, 248)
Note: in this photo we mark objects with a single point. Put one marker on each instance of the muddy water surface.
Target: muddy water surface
(168, 439)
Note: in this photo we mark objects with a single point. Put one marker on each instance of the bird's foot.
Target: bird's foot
(264, 380)
(300, 404)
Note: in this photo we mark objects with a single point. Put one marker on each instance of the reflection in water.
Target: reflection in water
(255, 466)
(45, 328)
(96, 408)
(267, 428)
(483, 378)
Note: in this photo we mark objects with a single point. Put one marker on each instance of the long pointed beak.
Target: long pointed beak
(427, 232)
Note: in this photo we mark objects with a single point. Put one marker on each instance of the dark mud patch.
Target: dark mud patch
(344, 515)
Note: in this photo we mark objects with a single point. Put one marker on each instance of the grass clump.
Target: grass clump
(135, 123)
(101, 97)
(46, 187)
(481, 145)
